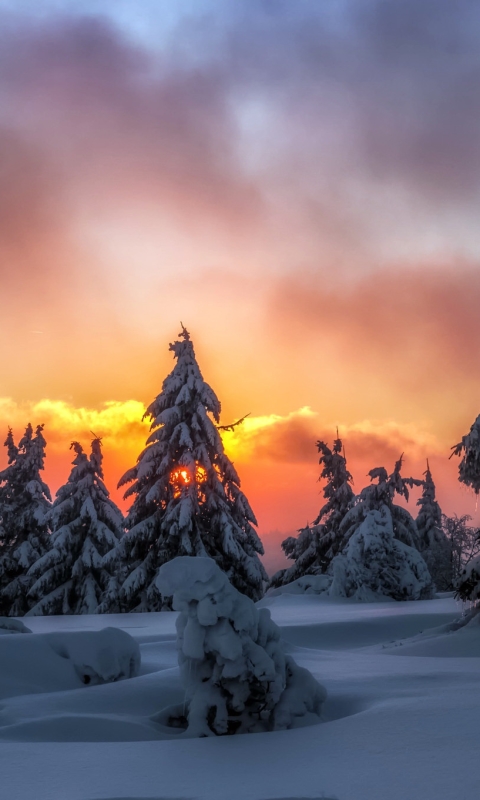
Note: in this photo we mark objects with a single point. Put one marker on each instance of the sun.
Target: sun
(181, 477)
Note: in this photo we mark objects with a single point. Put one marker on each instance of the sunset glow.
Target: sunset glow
(290, 183)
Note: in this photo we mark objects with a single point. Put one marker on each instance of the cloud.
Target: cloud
(291, 439)
(119, 424)
(136, 128)
(413, 328)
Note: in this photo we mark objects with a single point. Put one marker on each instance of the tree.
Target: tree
(433, 544)
(187, 497)
(237, 676)
(463, 541)
(72, 577)
(376, 564)
(25, 501)
(379, 495)
(316, 545)
(469, 449)
(380, 553)
(469, 473)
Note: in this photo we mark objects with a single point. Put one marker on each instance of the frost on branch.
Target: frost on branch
(237, 677)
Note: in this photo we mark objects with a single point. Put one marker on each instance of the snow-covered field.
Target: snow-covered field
(402, 719)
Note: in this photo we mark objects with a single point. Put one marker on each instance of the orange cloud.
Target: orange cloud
(276, 456)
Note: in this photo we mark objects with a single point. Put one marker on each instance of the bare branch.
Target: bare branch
(233, 424)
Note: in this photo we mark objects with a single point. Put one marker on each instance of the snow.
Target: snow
(400, 720)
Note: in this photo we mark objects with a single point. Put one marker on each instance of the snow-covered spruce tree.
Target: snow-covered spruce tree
(316, 545)
(72, 577)
(379, 494)
(469, 474)
(237, 677)
(375, 564)
(433, 543)
(469, 449)
(463, 541)
(24, 504)
(5, 475)
(187, 497)
(380, 556)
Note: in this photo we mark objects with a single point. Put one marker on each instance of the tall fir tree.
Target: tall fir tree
(25, 501)
(72, 577)
(187, 497)
(433, 544)
(316, 545)
(468, 587)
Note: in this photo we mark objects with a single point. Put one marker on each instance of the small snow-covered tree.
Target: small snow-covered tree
(187, 497)
(375, 564)
(381, 542)
(433, 544)
(377, 495)
(24, 504)
(469, 474)
(316, 545)
(236, 675)
(72, 578)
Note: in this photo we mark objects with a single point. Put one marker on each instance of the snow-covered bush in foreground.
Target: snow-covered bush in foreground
(375, 564)
(236, 675)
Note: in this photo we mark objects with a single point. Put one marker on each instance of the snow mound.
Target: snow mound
(9, 625)
(236, 675)
(99, 656)
(52, 662)
(456, 639)
(307, 584)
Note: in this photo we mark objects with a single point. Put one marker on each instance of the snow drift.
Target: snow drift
(52, 662)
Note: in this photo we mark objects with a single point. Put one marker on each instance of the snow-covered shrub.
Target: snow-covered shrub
(375, 564)
(236, 675)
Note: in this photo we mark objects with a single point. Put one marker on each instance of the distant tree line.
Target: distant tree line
(78, 554)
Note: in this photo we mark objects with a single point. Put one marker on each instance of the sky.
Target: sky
(297, 183)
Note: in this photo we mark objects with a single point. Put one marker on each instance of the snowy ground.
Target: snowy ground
(402, 719)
